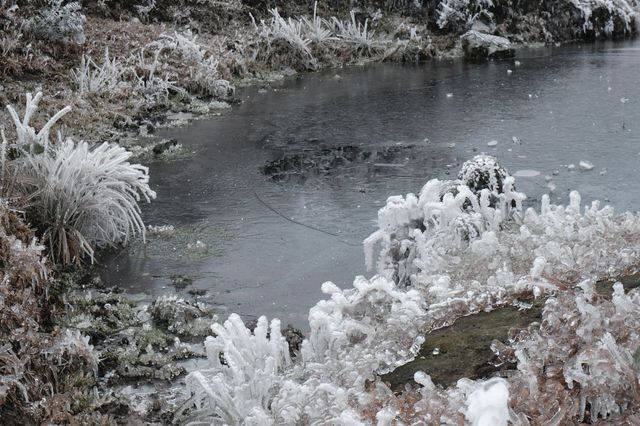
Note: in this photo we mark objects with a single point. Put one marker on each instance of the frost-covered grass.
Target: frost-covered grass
(79, 197)
(457, 248)
(90, 77)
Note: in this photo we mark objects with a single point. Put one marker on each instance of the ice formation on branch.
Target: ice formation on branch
(26, 134)
(458, 248)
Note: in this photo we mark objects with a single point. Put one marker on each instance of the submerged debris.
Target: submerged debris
(325, 161)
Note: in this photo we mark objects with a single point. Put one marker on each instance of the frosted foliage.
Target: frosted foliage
(451, 251)
(354, 32)
(84, 197)
(73, 343)
(579, 364)
(289, 30)
(483, 171)
(27, 137)
(309, 37)
(203, 68)
(241, 387)
(461, 12)
(90, 77)
(60, 23)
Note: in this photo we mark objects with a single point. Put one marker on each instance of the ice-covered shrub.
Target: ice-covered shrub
(59, 23)
(580, 364)
(483, 172)
(243, 373)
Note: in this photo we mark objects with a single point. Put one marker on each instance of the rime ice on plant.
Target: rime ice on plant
(81, 197)
(455, 250)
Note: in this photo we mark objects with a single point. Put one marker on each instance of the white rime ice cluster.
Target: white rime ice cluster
(458, 248)
(82, 197)
(582, 362)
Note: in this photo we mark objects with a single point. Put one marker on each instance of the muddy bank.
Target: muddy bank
(464, 349)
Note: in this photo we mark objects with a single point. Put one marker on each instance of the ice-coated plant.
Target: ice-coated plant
(27, 137)
(144, 10)
(149, 83)
(318, 30)
(617, 10)
(79, 197)
(240, 389)
(202, 68)
(428, 276)
(59, 23)
(355, 33)
(83, 198)
(581, 364)
(461, 12)
(90, 77)
(289, 30)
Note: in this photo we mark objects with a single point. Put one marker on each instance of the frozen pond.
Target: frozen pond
(282, 189)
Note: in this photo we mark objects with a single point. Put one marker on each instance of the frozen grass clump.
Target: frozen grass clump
(202, 69)
(288, 30)
(79, 197)
(90, 77)
(462, 13)
(84, 198)
(355, 33)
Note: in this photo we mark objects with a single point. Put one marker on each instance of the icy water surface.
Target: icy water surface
(282, 189)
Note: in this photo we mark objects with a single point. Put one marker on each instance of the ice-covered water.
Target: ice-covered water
(269, 242)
